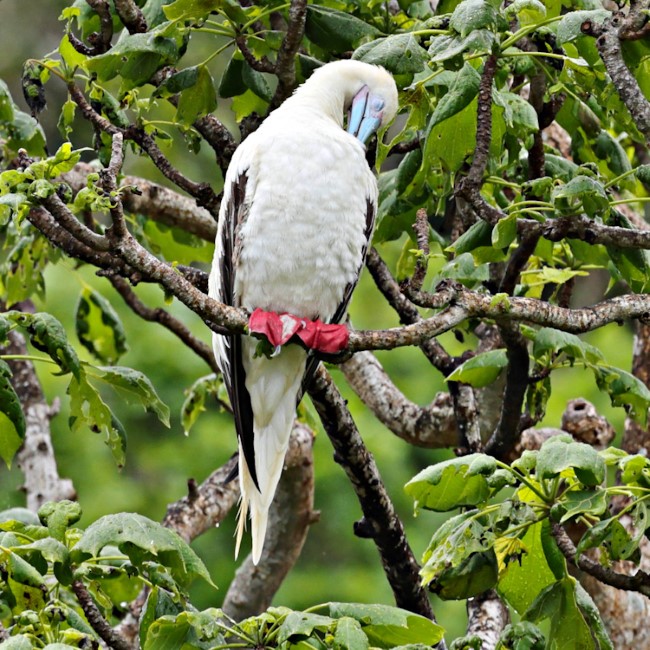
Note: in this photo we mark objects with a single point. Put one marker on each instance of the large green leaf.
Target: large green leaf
(142, 539)
(624, 389)
(555, 341)
(471, 15)
(387, 627)
(197, 99)
(335, 30)
(461, 92)
(560, 453)
(399, 53)
(452, 483)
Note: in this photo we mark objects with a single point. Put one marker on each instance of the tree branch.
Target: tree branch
(36, 457)
(488, 617)
(285, 65)
(431, 427)
(609, 46)
(101, 42)
(95, 618)
(638, 582)
(380, 521)
(131, 15)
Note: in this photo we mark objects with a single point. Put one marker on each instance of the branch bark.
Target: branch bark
(380, 521)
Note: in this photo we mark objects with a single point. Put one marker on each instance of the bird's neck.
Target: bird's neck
(316, 102)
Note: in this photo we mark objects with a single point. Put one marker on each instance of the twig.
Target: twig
(95, 618)
(164, 318)
(260, 65)
(421, 228)
(380, 521)
(507, 432)
(102, 42)
(108, 179)
(640, 581)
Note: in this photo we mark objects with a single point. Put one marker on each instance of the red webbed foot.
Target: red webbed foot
(316, 335)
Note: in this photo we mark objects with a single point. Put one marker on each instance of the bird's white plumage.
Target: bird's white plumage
(308, 206)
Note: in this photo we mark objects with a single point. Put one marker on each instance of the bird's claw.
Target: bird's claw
(316, 335)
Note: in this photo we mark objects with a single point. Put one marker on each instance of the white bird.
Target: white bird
(297, 214)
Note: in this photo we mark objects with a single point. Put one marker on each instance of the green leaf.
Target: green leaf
(232, 81)
(461, 92)
(88, 409)
(521, 636)
(59, 516)
(191, 10)
(445, 47)
(452, 483)
(142, 539)
(642, 172)
(47, 334)
(529, 12)
(19, 642)
(559, 167)
(299, 624)
(557, 455)
(23, 572)
(578, 502)
(581, 192)
(481, 370)
(558, 603)
(135, 57)
(399, 53)
(570, 27)
(548, 339)
(335, 30)
(521, 581)
(197, 100)
(592, 615)
(196, 394)
(349, 635)
(471, 15)
(632, 264)
(473, 576)
(167, 633)
(12, 419)
(505, 231)
(477, 235)
(387, 627)
(624, 389)
(134, 385)
(99, 327)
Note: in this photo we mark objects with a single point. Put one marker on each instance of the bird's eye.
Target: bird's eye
(377, 104)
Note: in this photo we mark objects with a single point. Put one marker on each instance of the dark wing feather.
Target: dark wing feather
(235, 377)
(312, 361)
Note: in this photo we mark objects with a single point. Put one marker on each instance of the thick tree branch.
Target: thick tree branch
(609, 46)
(432, 426)
(487, 618)
(285, 65)
(380, 521)
(36, 457)
(131, 15)
(101, 41)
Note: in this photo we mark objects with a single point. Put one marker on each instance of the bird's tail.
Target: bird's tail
(273, 385)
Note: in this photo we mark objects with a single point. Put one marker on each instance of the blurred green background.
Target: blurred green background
(334, 565)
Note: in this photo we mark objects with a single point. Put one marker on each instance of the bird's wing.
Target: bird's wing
(339, 314)
(234, 216)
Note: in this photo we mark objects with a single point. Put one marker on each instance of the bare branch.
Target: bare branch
(488, 617)
(432, 427)
(36, 457)
(380, 521)
(285, 66)
(102, 42)
(260, 65)
(609, 46)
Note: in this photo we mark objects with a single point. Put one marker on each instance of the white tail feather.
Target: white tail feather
(273, 385)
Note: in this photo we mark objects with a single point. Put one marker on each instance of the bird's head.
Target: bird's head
(366, 93)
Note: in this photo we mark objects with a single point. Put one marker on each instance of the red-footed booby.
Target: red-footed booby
(296, 217)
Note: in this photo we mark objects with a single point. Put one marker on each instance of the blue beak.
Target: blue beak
(365, 114)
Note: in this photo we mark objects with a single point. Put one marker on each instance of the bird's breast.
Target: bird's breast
(303, 240)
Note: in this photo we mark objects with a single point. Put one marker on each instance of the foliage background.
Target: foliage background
(334, 565)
